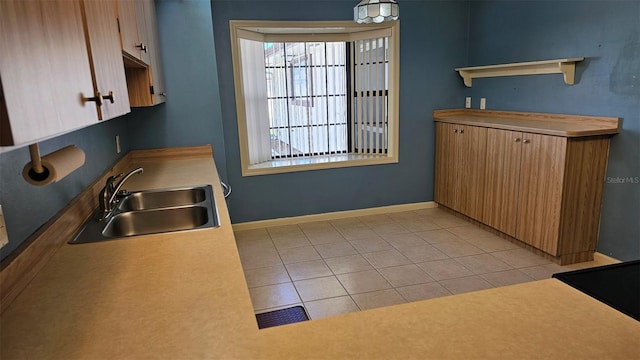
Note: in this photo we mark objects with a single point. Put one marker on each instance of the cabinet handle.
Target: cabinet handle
(163, 94)
(142, 47)
(455, 130)
(461, 131)
(516, 139)
(97, 99)
(109, 97)
(526, 141)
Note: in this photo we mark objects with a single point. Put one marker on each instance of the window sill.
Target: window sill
(317, 163)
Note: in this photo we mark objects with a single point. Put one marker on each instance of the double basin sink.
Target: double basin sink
(152, 212)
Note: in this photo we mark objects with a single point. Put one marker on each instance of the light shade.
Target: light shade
(375, 11)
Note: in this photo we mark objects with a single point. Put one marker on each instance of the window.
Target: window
(313, 95)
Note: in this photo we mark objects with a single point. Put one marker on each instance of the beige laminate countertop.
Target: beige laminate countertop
(538, 123)
(183, 296)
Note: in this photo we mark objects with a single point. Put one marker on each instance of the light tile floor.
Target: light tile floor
(346, 265)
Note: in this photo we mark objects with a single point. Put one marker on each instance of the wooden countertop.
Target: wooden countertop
(539, 123)
(183, 295)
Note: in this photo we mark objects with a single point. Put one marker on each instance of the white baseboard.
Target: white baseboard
(333, 215)
(604, 258)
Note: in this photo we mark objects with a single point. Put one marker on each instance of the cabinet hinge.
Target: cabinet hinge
(151, 90)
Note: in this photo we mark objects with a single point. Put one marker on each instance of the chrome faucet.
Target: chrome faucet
(110, 191)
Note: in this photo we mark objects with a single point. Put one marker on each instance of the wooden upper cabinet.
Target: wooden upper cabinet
(101, 27)
(153, 48)
(44, 70)
(143, 33)
(128, 23)
(143, 71)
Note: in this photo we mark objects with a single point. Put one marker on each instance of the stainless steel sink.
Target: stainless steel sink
(152, 212)
(154, 199)
(133, 223)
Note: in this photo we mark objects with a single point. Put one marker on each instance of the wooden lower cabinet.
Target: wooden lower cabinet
(543, 190)
(523, 186)
(446, 174)
(585, 171)
(542, 173)
(502, 177)
(460, 160)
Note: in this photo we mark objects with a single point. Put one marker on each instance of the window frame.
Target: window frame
(300, 31)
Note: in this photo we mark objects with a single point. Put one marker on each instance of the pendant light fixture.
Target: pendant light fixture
(375, 11)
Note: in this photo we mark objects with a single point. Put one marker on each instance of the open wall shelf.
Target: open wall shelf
(567, 67)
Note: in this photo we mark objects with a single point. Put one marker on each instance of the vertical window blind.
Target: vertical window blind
(369, 69)
(307, 98)
(255, 94)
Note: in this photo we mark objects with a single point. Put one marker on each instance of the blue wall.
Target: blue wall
(191, 114)
(27, 207)
(433, 42)
(607, 34)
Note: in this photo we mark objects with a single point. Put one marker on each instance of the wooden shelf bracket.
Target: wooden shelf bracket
(567, 67)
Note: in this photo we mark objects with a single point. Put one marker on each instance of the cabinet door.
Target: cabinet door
(128, 23)
(44, 69)
(147, 18)
(541, 182)
(154, 51)
(104, 50)
(470, 166)
(143, 34)
(446, 176)
(460, 158)
(504, 149)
